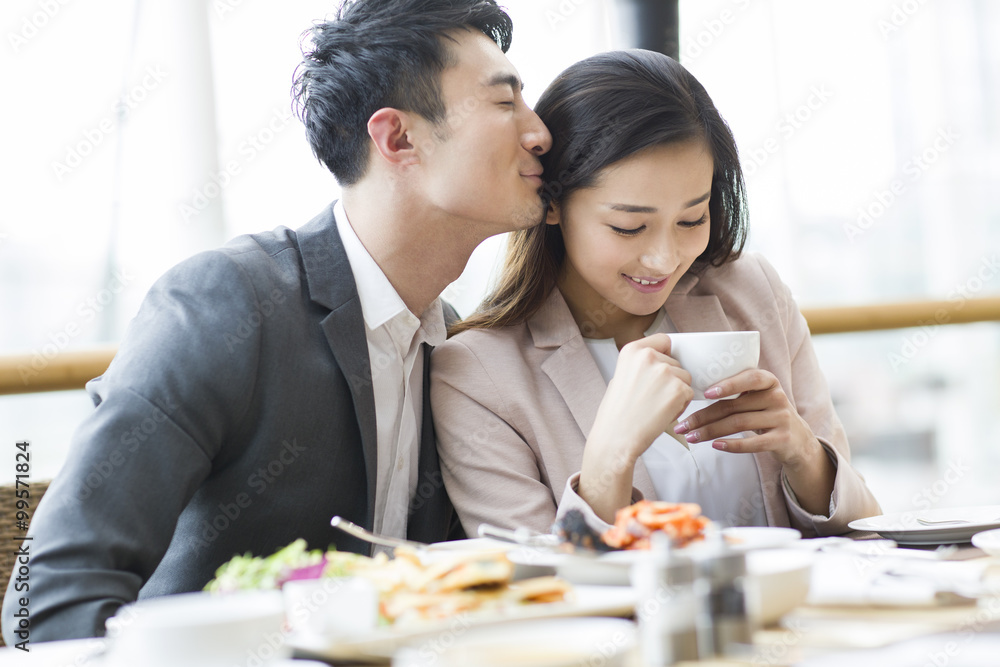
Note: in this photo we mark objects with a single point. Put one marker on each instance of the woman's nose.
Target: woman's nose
(659, 259)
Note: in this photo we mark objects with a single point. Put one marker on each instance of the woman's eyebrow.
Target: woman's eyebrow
(695, 202)
(633, 208)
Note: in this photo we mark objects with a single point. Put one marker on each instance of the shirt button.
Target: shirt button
(399, 464)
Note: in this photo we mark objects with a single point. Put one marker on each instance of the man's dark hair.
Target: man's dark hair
(375, 54)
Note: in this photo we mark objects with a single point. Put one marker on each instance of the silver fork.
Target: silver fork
(941, 522)
(944, 522)
(368, 536)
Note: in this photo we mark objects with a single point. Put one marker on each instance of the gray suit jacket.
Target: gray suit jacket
(237, 416)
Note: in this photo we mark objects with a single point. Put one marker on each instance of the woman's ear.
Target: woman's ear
(553, 216)
(390, 130)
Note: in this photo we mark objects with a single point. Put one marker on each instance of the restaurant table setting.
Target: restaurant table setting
(733, 596)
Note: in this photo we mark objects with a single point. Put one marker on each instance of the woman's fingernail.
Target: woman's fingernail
(719, 444)
(694, 436)
(713, 392)
(681, 428)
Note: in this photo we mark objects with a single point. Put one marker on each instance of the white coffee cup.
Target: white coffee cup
(199, 630)
(712, 356)
(331, 607)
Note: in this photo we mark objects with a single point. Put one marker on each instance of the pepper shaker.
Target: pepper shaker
(667, 606)
(724, 626)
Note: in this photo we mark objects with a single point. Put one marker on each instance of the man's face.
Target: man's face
(481, 165)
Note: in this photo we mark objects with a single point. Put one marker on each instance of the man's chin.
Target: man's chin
(532, 218)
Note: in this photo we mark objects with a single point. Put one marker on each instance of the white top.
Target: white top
(726, 485)
(396, 356)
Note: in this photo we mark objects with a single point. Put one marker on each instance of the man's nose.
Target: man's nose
(535, 137)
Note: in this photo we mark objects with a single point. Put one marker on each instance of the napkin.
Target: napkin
(895, 578)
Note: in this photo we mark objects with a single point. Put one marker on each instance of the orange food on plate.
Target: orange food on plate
(682, 522)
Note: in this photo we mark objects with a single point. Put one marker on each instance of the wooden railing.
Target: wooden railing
(26, 373)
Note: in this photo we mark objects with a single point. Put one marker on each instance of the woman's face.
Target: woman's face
(631, 237)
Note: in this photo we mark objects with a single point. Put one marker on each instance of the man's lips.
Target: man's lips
(534, 178)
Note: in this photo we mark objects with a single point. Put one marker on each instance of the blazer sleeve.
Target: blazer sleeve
(175, 387)
(491, 473)
(851, 497)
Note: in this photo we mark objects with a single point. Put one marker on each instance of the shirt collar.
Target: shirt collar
(380, 302)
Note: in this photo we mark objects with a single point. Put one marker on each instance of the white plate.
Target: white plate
(527, 562)
(552, 642)
(905, 528)
(988, 541)
(748, 538)
(382, 643)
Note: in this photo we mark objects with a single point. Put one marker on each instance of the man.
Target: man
(281, 380)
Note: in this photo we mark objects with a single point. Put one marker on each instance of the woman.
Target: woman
(561, 393)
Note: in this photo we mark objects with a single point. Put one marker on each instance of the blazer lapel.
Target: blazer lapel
(575, 374)
(331, 284)
(570, 366)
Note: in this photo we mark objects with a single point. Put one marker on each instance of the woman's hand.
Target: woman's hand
(763, 408)
(647, 393)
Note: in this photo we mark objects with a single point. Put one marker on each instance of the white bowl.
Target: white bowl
(988, 541)
(777, 582)
(199, 630)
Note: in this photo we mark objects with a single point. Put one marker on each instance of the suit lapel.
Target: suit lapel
(331, 284)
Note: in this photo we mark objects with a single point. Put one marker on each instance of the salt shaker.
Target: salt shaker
(667, 606)
(724, 626)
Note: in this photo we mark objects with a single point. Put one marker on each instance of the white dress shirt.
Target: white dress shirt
(396, 356)
(718, 481)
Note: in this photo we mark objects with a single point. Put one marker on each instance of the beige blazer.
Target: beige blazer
(513, 406)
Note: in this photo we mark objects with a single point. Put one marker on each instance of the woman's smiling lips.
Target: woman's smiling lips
(646, 284)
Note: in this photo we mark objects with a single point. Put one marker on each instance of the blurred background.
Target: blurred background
(137, 133)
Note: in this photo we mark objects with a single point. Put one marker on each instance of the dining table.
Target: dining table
(871, 601)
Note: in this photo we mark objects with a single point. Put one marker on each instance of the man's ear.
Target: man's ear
(553, 214)
(390, 131)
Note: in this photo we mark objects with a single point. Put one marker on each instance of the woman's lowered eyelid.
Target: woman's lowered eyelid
(627, 232)
(688, 224)
(694, 223)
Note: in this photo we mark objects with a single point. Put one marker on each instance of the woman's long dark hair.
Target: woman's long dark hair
(602, 110)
